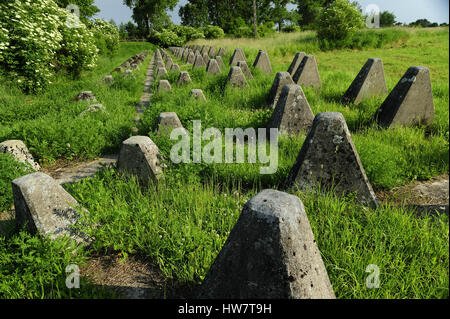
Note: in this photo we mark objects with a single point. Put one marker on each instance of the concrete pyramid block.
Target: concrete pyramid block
(20, 152)
(221, 51)
(161, 72)
(296, 62)
(213, 67)
(307, 73)
(175, 68)
(292, 113)
(205, 49)
(169, 62)
(197, 94)
(244, 67)
(262, 62)
(164, 86)
(185, 54)
(329, 158)
(183, 78)
(369, 82)
(205, 57)
(167, 121)
(140, 156)
(212, 51)
(238, 55)
(85, 96)
(410, 102)
(190, 58)
(199, 62)
(45, 208)
(281, 79)
(236, 77)
(220, 61)
(270, 253)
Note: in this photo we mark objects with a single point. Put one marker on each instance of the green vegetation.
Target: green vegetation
(182, 223)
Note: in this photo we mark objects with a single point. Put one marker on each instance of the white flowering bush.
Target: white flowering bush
(78, 49)
(40, 42)
(4, 40)
(34, 39)
(106, 36)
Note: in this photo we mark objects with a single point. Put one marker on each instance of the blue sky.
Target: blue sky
(405, 10)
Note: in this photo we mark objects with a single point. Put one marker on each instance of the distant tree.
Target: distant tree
(443, 24)
(194, 13)
(387, 19)
(424, 23)
(309, 11)
(151, 14)
(337, 24)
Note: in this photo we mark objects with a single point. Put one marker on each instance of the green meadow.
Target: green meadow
(181, 223)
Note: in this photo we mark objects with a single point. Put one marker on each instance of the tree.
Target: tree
(310, 10)
(195, 13)
(151, 14)
(337, 23)
(387, 19)
(87, 7)
(424, 23)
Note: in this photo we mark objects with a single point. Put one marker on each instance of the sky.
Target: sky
(406, 11)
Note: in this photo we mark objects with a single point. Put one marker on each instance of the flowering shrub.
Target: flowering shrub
(106, 36)
(78, 50)
(40, 42)
(4, 40)
(34, 39)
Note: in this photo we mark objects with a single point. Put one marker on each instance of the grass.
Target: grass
(182, 223)
(49, 124)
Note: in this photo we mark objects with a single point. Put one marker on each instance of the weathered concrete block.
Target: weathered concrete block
(185, 54)
(86, 96)
(169, 62)
(292, 113)
(109, 78)
(20, 152)
(236, 78)
(220, 61)
(410, 102)
(271, 253)
(94, 108)
(164, 86)
(183, 78)
(213, 67)
(329, 158)
(245, 69)
(45, 208)
(175, 68)
(199, 62)
(140, 156)
(281, 79)
(307, 73)
(205, 57)
(238, 55)
(212, 51)
(205, 49)
(262, 62)
(296, 62)
(369, 82)
(167, 121)
(221, 52)
(161, 72)
(190, 58)
(198, 94)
